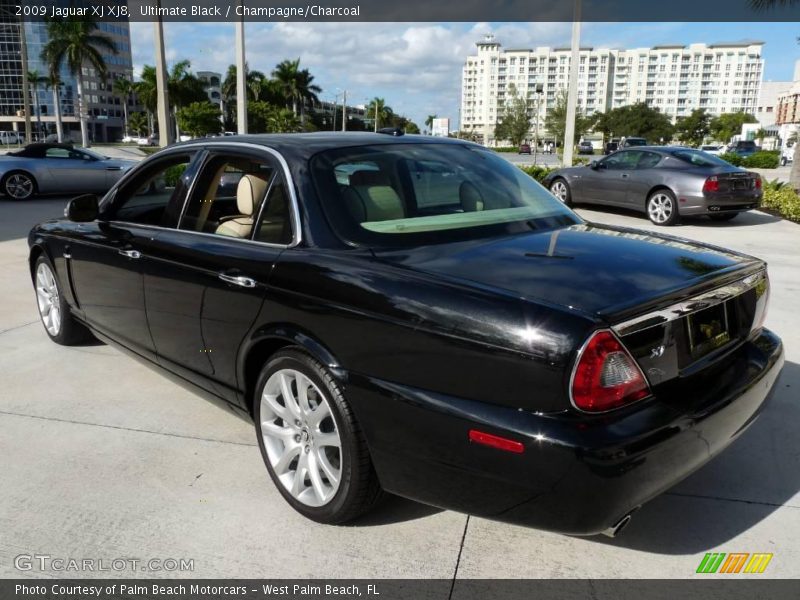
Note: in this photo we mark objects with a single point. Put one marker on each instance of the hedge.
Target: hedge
(537, 172)
(780, 198)
(763, 159)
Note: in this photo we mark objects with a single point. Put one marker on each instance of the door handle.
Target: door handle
(624, 175)
(131, 253)
(113, 168)
(239, 280)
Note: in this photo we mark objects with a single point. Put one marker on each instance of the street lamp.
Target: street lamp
(538, 91)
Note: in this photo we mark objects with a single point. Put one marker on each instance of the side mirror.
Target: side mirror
(594, 165)
(82, 209)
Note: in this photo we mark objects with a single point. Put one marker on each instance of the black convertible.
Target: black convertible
(417, 316)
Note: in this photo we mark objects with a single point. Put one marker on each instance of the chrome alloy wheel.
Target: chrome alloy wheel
(19, 186)
(48, 300)
(559, 190)
(301, 437)
(660, 207)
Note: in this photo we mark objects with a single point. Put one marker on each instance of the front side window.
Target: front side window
(421, 193)
(145, 198)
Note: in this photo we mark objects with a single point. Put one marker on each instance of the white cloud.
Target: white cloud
(416, 67)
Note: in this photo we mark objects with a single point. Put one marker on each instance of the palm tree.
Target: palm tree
(77, 42)
(147, 92)
(429, 121)
(54, 82)
(139, 123)
(296, 85)
(123, 88)
(259, 87)
(183, 88)
(34, 80)
(377, 110)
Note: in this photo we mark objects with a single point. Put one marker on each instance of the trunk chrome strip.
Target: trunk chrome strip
(687, 307)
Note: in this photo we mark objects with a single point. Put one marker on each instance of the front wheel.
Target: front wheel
(59, 324)
(560, 189)
(19, 186)
(311, 443)
(662, 208)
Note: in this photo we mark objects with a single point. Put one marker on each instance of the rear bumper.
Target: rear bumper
(577, 475)
(709, 205)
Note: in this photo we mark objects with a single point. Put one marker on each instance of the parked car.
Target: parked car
(150, 140)
(787, 154)
(417, 315)
(650, 179)
(57, 169)
(8, 138)
(611, 146)
(713, 149)
(630, 142)
(66, 138)
(525, 149)
(585, 148)
(743, 148)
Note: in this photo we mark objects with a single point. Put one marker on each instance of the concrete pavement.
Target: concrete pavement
(104, 458)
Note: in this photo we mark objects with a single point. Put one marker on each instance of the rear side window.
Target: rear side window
(648, 160)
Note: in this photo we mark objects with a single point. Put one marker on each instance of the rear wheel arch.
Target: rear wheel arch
(654, 189)
(272, 341)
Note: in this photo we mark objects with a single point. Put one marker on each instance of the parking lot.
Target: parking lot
(104, 458)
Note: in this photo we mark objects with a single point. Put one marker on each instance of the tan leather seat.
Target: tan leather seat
(249, 194)
(470, 196)
(371, 197)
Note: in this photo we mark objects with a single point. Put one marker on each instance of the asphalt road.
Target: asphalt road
(104, 458)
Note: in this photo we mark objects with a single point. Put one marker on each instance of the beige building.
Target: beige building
(675, 79)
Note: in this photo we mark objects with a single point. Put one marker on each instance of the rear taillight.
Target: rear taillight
(606, 376)
(711, 185)
(758, 182)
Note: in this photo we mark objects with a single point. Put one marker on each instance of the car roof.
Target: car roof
(39, 148)
(301, 145)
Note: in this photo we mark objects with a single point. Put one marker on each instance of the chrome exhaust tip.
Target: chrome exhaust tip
(617, 528)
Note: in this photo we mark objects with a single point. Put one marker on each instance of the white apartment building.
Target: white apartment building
(675, 79)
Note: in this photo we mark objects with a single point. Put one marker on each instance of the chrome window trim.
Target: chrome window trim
(687, 307)
(294, 212)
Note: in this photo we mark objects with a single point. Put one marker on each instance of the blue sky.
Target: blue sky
(416, 67)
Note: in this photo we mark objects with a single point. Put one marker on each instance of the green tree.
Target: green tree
(123, 88)
(726, 125)
(264, 117)
(693, 129)
(379, 112)
(138, 123)
(429, 122)
(515, 122)
(199, 119)
(296, 85)
(637, 120)
(183, 88)
(556, 121)
(76, 42)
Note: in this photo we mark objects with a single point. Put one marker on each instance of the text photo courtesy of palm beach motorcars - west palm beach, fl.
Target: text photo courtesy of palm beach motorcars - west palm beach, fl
(471, 302)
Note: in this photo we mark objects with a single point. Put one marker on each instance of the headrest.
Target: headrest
(365, 178)
(249, 192)
(470, 196)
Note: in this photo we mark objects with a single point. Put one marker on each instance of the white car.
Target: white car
(11, 137)
(713, 149)
(787, 154)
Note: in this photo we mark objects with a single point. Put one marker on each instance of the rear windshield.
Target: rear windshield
(418, 194)
(700, 159)
(748, 144)
(636, 142)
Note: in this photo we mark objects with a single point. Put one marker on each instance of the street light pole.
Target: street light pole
(538, 91)
(344, 110)
(572, 94)
(162, 100)
(241, 78)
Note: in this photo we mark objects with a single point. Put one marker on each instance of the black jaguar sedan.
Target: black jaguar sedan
(417, 316)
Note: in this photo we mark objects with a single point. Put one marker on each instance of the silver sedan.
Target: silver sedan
(58, 169)
(664, 182)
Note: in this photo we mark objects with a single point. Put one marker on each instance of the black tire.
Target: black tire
(69, 331)
(664, 198)
(783, 162)
(566, 198)
(359, 489)
(724, 216)
(10, 185)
